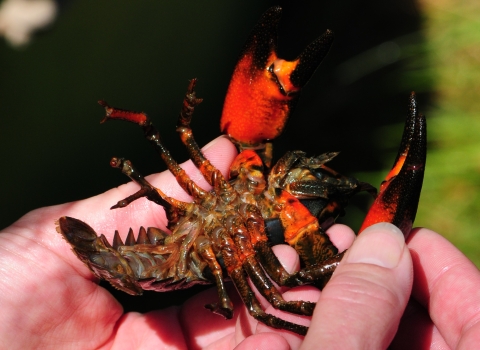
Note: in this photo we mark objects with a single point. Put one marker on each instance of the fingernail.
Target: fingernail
(381, 244)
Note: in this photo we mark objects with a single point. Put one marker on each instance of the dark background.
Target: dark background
(139, 55)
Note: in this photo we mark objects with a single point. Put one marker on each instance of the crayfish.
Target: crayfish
(227, 233)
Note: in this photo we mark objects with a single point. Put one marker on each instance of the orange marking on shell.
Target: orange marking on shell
(294, 216)
(380, 210)
(258, 236)
(255, 110)
(246, 159)
(395, 170)
(283, 69)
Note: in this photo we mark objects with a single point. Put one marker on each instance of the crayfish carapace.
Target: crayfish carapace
(225, 232)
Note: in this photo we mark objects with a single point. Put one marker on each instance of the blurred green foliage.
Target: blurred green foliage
(450, 200)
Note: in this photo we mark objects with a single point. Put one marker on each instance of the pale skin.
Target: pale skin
(49, 299)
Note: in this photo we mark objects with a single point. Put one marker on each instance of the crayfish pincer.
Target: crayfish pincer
(228, 231)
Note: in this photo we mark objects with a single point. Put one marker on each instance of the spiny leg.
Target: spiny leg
(233, 264)
(319, 272)
(255, 309)
(243, 242)
(146, 189)
(151, 133)
(212, 175)
(225, 306)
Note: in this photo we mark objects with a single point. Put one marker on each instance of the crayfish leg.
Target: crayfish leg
(225, 305)
(172, 205)
(254, 308)
(239, 257)
(399, 194)
(211, 174)
(152, 134)
(245, 237)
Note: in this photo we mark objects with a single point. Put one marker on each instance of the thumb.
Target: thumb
(362, 304)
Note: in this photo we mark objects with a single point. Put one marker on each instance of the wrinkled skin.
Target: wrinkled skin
(48, 299)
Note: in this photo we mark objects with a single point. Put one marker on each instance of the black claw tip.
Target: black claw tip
(311, 58)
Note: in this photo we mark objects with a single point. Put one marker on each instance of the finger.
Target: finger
(264, 341)
(341, 236)
(362, 304)
(417, 331)
(153, 330)
(447, 284)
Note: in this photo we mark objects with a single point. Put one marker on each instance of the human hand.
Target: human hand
(48, 297)
(363, 303)
(444, 309)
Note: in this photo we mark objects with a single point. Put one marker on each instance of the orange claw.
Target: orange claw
(399, 194)
(264, 88)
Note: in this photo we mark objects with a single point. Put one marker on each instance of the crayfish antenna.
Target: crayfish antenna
(399, 194)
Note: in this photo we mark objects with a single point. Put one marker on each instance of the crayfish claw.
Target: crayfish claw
(399, 194)
(310, 59)
(264, 87)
